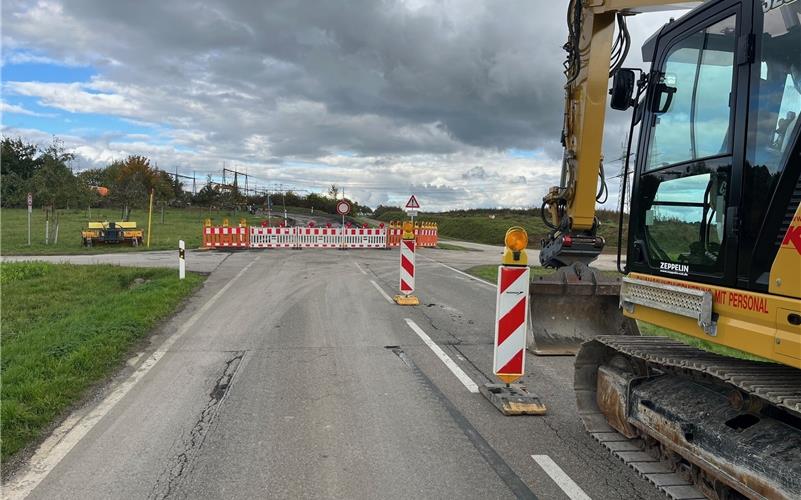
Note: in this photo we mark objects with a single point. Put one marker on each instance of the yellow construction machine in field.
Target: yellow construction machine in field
(111, 233)
(713, 245)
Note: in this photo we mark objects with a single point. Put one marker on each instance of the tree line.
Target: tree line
(46, 173)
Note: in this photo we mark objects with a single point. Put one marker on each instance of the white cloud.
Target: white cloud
(6, 107)
(419, 93)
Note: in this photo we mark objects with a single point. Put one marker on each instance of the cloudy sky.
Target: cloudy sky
(459, 102)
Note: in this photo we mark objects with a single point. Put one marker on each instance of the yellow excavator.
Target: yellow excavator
(712, 249)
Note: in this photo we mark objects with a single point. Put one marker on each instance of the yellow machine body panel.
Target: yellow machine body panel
(121, 225)
(755, 323)
(785, 273)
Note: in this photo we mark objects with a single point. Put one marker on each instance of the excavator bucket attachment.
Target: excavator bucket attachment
(575, 304)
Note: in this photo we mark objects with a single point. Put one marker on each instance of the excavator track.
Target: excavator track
(694, 423)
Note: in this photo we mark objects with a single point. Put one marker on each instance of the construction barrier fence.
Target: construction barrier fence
(314, 237)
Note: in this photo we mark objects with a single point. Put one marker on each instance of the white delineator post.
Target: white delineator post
(511, 321)
(181, 259)
(407, 266)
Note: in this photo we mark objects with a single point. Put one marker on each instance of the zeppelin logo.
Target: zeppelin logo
(793, 236)
(671, 268)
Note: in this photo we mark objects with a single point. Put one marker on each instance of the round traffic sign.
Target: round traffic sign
(343, 207)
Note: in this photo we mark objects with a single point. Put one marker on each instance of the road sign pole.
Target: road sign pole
(30, 209)
(149, 218)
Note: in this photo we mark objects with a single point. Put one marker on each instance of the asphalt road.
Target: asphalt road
(290, 375)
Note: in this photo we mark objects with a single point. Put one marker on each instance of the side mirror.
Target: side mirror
(622, 89)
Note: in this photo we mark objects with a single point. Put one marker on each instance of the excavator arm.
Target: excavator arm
(594, 55)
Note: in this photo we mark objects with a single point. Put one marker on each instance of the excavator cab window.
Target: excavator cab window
(686, 152)
(774, 130)
(717, 168)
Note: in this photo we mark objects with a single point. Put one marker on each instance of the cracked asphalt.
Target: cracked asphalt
(302, 381)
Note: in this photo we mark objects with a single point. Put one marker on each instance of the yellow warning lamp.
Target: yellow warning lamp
(516, 241)
(225, 222)
(207, 222)
(408, 230)
(243, 222)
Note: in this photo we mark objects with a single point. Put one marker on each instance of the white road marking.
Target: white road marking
(484, 282)
(382, 292)
(452, 366)
(561, 479)
(359, 267)
(68, 434)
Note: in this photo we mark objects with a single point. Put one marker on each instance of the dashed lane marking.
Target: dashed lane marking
(560, 477)
(359, 267)
(451, 364)
(382, 292)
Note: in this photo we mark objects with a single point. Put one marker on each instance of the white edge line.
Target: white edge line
(485, 282)
(452, 366)
(359, 267)
(561, 478)
(382, 292)
(69, 433)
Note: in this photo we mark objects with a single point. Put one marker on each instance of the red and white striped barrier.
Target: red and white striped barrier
(511, 321)
(272, 237)
(407, 267)
(364, 238)
(317, 237)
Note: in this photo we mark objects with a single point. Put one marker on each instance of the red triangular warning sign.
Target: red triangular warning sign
(412, 203)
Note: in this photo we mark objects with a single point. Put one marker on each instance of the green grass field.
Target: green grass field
(66, 327)
(489, 272)
(179, 223)
(482, 229)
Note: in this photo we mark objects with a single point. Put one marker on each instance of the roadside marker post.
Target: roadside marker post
(511, 324)
(181, 259)
(407, 268)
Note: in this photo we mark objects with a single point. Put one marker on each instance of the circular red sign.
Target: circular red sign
(343, 207)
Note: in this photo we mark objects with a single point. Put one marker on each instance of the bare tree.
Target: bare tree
(333, 191)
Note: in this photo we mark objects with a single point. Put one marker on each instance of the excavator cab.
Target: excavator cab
(713, 247)
(715, 169)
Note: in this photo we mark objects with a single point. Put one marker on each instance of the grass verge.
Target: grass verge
(489, 272)
(66, 327)
(451, 246)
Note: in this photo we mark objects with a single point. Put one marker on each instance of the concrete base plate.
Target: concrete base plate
(513, 399)
(407, 300)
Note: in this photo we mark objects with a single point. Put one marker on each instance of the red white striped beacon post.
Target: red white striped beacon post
(511, 324)
(407, 267)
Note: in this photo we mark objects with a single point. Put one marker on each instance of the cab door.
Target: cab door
(686, 191)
